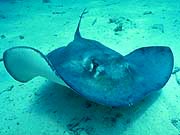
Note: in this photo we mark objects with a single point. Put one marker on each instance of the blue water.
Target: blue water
(42, 107)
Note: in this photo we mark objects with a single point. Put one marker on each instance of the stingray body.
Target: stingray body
(96, 72)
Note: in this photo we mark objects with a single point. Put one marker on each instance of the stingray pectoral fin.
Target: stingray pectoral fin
(154, 64)
(25, 63)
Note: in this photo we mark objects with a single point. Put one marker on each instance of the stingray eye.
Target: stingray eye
(99, 70)
(92, 65)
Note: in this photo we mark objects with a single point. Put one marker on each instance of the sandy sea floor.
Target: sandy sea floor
(41, 107)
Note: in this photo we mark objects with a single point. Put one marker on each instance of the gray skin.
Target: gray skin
(104, 76)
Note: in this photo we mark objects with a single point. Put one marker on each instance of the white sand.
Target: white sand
(40, 107)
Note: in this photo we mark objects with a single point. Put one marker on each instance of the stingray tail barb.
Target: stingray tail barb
(25, 63)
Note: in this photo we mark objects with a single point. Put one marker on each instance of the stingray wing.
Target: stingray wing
(154, 64)
(25, 63)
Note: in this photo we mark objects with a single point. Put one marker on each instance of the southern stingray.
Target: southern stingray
(95, 71)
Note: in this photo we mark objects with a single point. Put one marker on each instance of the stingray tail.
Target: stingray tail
(77, 34)
(25, 63)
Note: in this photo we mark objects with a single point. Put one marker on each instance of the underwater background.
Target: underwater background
(41, 107)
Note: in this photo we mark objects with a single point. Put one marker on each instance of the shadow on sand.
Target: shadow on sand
(78, 115)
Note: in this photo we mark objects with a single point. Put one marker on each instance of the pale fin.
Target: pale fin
(25, 63)
(77, 34)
